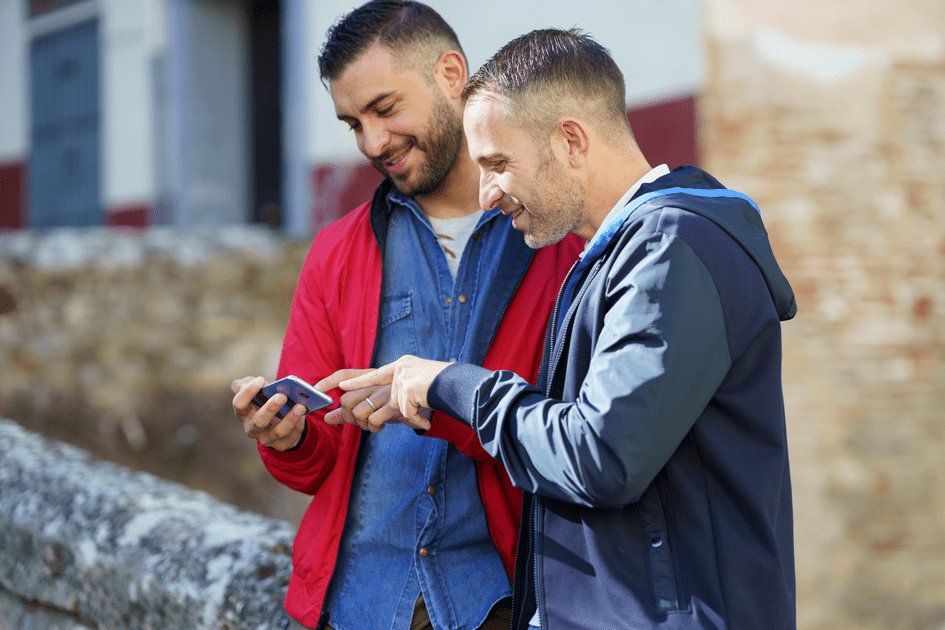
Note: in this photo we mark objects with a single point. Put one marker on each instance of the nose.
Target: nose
(374, 140)
(489, 191)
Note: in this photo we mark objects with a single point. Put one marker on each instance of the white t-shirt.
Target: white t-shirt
(453, 235)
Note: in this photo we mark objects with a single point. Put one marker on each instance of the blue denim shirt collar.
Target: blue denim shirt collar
(397, 198)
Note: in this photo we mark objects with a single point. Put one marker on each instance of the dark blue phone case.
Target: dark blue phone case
(297, 391)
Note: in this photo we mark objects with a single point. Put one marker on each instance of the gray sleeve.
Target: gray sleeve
(660, 356)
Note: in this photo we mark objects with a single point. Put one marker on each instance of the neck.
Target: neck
(458, 195)
(609, 179)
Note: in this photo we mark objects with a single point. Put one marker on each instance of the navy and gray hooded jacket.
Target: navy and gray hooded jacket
(653, 449)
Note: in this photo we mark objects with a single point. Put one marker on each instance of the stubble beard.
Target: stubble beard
(559, 204)
(441, 143)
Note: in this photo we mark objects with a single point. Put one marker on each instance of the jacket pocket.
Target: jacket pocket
(659, 549)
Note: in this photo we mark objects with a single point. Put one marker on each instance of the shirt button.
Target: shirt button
(463, 299)
(454, 360)
(448, 301)
(476, 235)
(424, 552)
(656, 542)
(431, 489)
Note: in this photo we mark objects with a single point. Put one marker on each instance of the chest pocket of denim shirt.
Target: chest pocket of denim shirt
(397, 327)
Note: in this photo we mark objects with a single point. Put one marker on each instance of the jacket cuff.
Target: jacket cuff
(295, 455)
(438, 426)
(455, 391)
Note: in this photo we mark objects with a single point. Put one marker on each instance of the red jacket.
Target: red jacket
(333, 325)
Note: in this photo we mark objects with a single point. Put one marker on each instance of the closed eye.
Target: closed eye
(493, 162)
(353, 123)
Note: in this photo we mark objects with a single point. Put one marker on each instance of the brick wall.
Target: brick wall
(842, 142)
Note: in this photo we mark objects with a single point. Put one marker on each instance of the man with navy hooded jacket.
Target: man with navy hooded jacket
(653, 449)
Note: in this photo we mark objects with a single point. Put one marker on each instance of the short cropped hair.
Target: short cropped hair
(548, 73)
(415, 33)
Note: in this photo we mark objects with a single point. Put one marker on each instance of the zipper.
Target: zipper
(557, 306)
(553, 364)
(537, 568)
(553, 327)
(555, 359)
(536, 565)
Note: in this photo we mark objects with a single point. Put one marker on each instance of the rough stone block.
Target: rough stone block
(112, 548)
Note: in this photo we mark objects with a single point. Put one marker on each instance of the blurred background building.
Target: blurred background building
(205, 120)
(210, 112)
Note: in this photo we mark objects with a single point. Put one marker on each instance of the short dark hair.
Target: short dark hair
(401, 25)
(544, 72)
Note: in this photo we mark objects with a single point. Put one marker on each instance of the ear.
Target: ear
(574, 139)
(451, 73)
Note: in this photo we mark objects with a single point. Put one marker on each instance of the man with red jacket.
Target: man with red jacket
(420, 270)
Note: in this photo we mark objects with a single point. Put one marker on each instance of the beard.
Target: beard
(441, 141)
(558, 206)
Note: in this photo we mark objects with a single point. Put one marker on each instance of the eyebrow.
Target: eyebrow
(373, 103)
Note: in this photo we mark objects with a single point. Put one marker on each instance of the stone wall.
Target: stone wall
(86, 545)
(124, 343)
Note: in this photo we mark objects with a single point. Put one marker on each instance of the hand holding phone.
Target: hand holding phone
(297, 391)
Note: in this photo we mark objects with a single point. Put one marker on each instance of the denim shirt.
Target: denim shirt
(416, 520)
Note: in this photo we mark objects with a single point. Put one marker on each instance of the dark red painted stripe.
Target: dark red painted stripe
(666, 131)
(12, 195)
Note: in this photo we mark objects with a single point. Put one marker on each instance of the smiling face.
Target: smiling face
(403, 123)
(529, 182)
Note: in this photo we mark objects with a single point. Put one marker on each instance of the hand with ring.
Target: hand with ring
(366, 407)
(407, 381)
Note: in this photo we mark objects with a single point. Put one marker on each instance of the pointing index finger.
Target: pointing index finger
(380, 376)
(331, 382)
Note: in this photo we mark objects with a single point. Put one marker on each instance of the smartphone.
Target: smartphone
(297, 391)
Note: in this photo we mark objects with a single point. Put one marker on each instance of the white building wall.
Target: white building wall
(14, 48)
(182, 159)
(299, 48)
(128, 44)
(656, 43)
(327, 139)
(209, 115)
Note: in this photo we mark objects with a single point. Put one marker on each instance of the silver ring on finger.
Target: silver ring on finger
(368, 401)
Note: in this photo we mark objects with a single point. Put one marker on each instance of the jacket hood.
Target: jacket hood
(693, 189)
